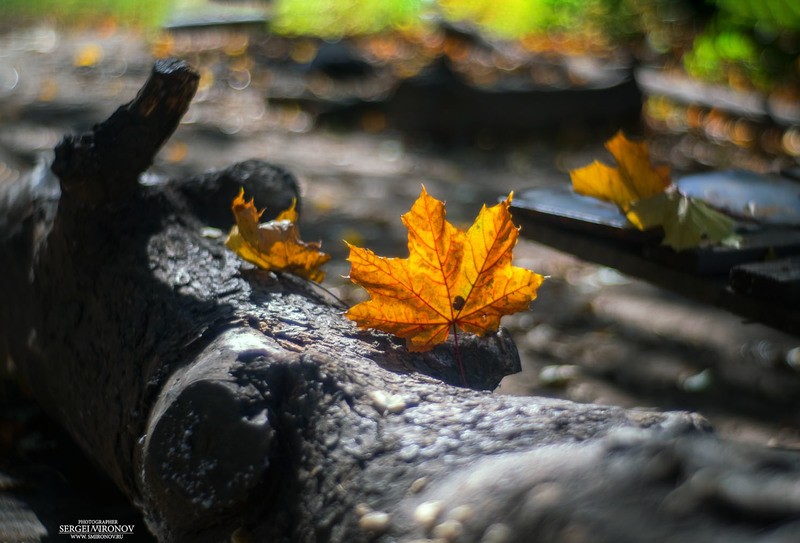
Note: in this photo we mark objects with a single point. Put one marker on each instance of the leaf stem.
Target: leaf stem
(458, 356)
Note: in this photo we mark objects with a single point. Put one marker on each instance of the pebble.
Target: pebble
(544, 495)
(698, 382)
(380, 400)
(376, 522)
(362, 509)
(558, 376)
(426, 513)
(383, 402)
(448, 530)
(418, 485)
(210, 232)
(462, 513)
(396, 404)
(793, 358)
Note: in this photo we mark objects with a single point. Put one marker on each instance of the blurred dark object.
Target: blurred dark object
(339, 60)
(763, 198)
(273, 188)
(775, 280)
(561, 206)
(441, 104)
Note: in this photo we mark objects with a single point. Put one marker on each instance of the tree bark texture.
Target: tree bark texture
(233, 404)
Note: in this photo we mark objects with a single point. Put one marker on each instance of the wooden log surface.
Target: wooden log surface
(230, 403)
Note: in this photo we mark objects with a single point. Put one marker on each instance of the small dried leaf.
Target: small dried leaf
(274, 245)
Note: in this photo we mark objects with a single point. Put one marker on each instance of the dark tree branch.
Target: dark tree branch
(104, 167)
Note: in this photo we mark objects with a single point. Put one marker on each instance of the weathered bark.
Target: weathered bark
(226, 400)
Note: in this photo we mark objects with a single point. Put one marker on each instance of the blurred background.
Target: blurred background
(719, 80)
(365, 99)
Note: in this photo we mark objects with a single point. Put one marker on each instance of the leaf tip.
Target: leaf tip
(239, 200)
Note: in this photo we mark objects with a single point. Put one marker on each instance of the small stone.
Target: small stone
(793, 358)
(362, 509)
(210, 232)
(698, 382)
(396, 404)
(558, 376)
(376, 522)
(462, 513)
(544, 495)
(380, 400)
(448, 530)
(426, 513)
(418, 485)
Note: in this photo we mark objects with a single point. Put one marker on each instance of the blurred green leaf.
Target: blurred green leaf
(337, 18)
(780, 14)
(145, 13)
(686, 221)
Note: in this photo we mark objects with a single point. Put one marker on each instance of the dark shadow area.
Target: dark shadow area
(51, 481)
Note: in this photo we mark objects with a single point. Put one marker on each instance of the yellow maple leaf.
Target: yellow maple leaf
(635, 178)
(644, 193)
(274, 245)
(451, 278)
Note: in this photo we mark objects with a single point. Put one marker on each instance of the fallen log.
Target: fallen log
(230, 403)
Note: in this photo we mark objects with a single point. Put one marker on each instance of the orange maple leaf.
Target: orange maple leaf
(274, 245)
(635, 178)
(451, 278)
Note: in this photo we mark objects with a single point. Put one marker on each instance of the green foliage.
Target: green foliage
(714, 53)
(747, 44)
(742, 43)
(778, 14)
(518, 18)
(145, 13)
(337, 18)
(507, 19)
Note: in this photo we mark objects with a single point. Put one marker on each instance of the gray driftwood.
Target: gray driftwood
(233, 404)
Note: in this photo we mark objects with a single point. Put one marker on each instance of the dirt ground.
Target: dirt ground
(593, 335)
